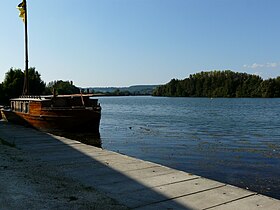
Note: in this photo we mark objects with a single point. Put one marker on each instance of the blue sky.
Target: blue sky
(129, 42)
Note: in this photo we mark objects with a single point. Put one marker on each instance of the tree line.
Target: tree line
(12, 86)
(221, 84)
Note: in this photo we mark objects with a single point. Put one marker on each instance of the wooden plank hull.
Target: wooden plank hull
(56, 120)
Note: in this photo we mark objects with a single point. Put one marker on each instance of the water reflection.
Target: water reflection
(88, 138)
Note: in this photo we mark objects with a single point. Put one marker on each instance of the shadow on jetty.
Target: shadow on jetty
(91, 166)
(92, 139)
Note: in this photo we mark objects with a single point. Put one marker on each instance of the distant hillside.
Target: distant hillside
(132, 90)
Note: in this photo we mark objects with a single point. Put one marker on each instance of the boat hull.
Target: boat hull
(58, 120)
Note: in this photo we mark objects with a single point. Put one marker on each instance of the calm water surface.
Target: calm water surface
(236, 141)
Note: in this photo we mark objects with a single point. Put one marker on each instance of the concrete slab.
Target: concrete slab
(37, 146)
(63, 139)
(66, 163)
(114, 158)
(142, 183)
(137, 165)
(167, 192)
(60, 151)
(50, 149)
(89, 164)
(104, 175)
(62, 148)
(63, 157)
(203, 200)
(251, 203)
(84, 148)
(38, 140)
(148, 172)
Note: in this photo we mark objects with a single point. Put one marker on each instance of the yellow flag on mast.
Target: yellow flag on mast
(22, 10)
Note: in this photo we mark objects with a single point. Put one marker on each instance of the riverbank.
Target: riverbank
(44, 171)
(28, 184)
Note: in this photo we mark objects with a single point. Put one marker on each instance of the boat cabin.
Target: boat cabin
(28, 104)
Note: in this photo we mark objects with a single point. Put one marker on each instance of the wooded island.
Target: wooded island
(221, 84)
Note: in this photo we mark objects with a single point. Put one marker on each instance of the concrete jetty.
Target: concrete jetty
(134, 183)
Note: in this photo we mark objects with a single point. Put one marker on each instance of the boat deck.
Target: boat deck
(135, 183)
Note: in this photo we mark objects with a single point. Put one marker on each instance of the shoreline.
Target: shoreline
(44, 171)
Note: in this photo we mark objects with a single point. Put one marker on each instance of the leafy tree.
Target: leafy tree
(61, 88)
(36, 85)
(12, 85)
(268, 88)
(277, 87)
(1, 94)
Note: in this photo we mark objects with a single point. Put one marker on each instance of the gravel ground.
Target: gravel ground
(25, 184)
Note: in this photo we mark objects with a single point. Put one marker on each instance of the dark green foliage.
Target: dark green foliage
(221, 84)
(13, 84)
(36, 85)
(61, 88)
(2, 95)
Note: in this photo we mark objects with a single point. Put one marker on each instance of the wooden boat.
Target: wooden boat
(53, 113)
(70, 113)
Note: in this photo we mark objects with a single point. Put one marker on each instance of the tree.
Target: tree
(268, 88)
(36, 85)
(1, 94)
(62, 88)
(277, 87)
(12, 85)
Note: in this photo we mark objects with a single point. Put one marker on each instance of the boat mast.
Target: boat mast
(26, 79)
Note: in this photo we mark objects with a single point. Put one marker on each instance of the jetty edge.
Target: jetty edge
(134, 183)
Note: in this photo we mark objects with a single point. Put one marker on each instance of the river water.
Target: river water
(236, 141)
